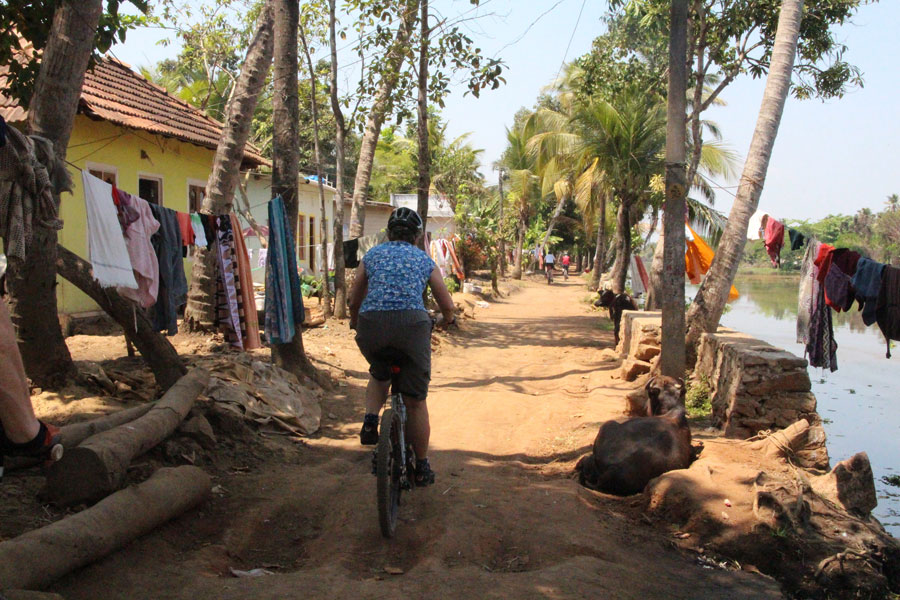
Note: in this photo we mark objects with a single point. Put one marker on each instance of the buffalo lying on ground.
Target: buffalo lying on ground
(627, 454)
(616, 303)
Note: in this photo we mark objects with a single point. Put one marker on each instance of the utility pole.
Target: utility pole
(501, 174)
(672, 356)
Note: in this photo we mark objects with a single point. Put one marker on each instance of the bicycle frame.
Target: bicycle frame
(400, 408)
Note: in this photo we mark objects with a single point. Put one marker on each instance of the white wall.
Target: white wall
(259, 192)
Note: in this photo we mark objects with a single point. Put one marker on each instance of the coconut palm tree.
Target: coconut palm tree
(706, 309)
(893, 203)
(524, 184)
(607, 151)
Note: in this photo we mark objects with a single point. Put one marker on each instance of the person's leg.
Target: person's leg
(376, 394)
(418, 427)
(16, 413)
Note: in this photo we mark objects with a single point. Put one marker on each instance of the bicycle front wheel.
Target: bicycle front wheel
(387, 469)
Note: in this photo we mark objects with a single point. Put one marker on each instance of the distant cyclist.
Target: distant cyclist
(549, 261)
(388, 313)
(566, 261)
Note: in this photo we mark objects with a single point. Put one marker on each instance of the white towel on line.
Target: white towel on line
(106, 244)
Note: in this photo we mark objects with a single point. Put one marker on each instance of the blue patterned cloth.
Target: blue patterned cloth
(397, 273)
(284, 302)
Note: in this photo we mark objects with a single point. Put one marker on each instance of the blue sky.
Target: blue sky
(830, 157)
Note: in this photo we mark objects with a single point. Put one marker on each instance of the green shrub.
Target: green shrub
(452, 285)
(698, 400)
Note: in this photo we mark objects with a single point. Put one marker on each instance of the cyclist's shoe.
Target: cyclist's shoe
(368, 435)
(45, 445)
(424, 474)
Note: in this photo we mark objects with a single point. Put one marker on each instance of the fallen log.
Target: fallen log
(28, 595)
(97, 467)
(74, 434)
(36, 559)
(157, 351)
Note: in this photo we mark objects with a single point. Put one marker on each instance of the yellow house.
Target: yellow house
(133, 134)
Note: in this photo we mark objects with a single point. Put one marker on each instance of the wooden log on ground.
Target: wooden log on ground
(38, 558)
(28, 595)
(97, 467)
(160, 354)
(74, 434)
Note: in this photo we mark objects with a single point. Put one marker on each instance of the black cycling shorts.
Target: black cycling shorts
(384, 335)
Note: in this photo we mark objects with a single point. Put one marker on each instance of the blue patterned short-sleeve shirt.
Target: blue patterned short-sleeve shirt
(397, 273)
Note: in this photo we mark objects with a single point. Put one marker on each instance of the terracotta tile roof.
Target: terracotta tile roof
(114, 93)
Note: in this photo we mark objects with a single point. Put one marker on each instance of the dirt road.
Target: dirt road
(516, 397)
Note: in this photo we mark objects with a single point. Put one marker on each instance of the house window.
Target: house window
(108, 176)
(312, 236)
(196, 194)
(301, 238)
(150, 189)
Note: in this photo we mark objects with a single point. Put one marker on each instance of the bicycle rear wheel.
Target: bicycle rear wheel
(388, 468)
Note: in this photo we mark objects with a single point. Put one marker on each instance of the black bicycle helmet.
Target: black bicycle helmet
(405, 217)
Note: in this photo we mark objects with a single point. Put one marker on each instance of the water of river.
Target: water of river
(858, 402)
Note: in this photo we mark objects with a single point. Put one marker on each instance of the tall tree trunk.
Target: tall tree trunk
(654, 294)
(286, 150)
(600, 252)
(423, 182)
(323, 226)
(553, 219)
(200, 313)
(502, 233)
(32, 283)
(340, 276)
(672, 354)
(520, 242)
(623, 246)
(381, 104)
(707, 307)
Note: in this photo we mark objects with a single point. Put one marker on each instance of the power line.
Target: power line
(571, 37)
(532, 24)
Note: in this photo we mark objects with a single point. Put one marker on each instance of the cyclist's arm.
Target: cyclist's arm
(441, 295)
(358, 294)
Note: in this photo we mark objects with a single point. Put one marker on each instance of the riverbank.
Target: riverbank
(760, 490)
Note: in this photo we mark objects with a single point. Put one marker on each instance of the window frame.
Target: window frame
(191, 182)
(152, 177)
(103, 168)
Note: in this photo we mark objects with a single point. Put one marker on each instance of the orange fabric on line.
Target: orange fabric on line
(697, 259)
(251, 340)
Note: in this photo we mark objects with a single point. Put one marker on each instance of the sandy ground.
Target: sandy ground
(516, 398)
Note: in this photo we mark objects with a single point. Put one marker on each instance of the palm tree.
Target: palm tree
(706, 309)
(616, 149)
(893, 202)
(524, 182)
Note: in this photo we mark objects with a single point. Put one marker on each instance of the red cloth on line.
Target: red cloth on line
(187, 232)
(645, 279)
(823, 261)
(774, 240)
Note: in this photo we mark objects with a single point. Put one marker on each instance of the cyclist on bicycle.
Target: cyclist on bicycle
(566, 261)
(388, 313)
(549, 260)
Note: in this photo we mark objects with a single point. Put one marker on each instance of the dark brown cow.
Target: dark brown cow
(616, 303)
(628, 453)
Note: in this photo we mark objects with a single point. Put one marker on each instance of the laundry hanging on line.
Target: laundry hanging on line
(111, 265)
(697, 259)
(284, 299)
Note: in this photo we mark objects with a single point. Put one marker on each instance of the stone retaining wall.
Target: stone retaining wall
(754, 386)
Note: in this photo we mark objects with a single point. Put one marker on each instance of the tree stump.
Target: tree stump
(97, 467)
